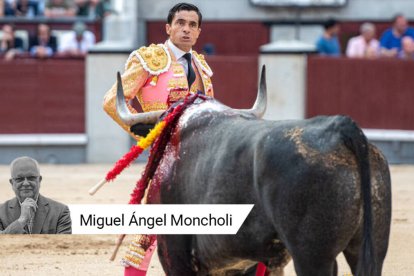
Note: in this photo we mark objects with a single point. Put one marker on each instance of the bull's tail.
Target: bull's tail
(357, 142)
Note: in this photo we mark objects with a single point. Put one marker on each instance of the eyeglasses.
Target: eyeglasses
(28, 178)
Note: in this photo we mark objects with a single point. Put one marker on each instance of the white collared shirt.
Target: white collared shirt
(358, 47)
(68, 42)
(178, 53)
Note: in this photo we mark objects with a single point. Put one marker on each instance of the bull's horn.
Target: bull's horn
(126, 116)
(259, 106)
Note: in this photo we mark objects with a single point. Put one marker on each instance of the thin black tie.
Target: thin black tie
(190, 74)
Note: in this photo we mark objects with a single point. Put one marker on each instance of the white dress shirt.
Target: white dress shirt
(69, 42)
(178, 53)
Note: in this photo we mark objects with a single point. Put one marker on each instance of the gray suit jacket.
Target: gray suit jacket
(51, 217)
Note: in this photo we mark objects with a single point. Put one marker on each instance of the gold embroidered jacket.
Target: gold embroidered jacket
(156, 79)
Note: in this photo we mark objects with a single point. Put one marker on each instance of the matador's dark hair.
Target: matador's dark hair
(329, 23)
(184, 7)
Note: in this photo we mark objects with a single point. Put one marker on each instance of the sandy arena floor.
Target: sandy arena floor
(89, 254)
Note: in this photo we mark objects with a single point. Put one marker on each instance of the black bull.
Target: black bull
(318, 189)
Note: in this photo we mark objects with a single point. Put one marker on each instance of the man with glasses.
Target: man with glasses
(30, 212)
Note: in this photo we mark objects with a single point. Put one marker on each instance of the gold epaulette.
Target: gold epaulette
(155, 59)
(202, 63)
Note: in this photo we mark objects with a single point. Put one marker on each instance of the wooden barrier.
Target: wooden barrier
(42, 96)
(228, 38)
(235, 79)
(376, 93)
(48, 96)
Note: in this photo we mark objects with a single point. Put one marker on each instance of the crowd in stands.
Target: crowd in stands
(55, 8)
(43, 43)
(397, 41)
(74, 43)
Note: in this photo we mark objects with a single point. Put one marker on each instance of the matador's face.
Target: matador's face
(184, 29)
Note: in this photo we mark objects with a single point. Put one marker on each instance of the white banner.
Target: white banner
(158, 219)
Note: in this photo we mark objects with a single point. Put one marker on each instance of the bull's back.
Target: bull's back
(285, 168)
(230, 155)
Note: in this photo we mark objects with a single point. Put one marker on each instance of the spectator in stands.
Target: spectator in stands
(43, 45)
(77, 42)
(59, 8)
(209, 49)
(40, 6)
(391, 38)
(407, 48)
(93, 8)
(328, 43)
(9, 7)
(364, 45)
(10, 45)
(26, 8)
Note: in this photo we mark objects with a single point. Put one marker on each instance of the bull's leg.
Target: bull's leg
(352, 256)
(174, 252)
(381, 202)
(315, 267)
(277, 272)
(351, 252)
(380, 241)
(352, 260)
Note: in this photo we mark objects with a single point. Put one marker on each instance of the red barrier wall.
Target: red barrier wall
(375, 93)
(228, 38)
(235, 79)
(48, 96)
(42, 96)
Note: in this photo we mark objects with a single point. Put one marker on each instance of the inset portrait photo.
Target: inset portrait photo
(29, 212)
